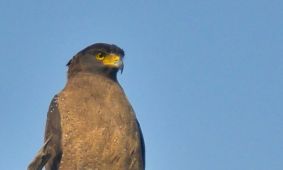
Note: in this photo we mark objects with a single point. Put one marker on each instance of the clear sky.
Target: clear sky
(204, 77)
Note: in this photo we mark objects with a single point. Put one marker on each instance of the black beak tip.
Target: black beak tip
(122, 68)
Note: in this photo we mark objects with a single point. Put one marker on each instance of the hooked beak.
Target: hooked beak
(114, 61)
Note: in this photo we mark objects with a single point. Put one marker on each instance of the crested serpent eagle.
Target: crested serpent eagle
(90, 124)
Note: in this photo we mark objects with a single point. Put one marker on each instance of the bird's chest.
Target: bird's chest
(96, 108)
(96, 125)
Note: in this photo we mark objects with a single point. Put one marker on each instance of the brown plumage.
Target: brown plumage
(91, 124)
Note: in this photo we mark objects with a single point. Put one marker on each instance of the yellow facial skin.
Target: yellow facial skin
(111, 60)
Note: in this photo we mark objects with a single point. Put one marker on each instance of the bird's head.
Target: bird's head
(99, 58)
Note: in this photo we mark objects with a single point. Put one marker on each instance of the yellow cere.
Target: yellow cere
(109, 59)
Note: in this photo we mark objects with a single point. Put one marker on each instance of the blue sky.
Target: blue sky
(204, 77)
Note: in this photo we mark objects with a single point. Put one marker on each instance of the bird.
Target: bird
(91, 124)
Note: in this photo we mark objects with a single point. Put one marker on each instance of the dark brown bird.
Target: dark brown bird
(90, 124)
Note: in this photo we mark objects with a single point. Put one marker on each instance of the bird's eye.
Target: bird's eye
(99, 56)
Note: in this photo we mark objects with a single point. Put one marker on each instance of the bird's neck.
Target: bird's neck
(91, 80)
(107, 73)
